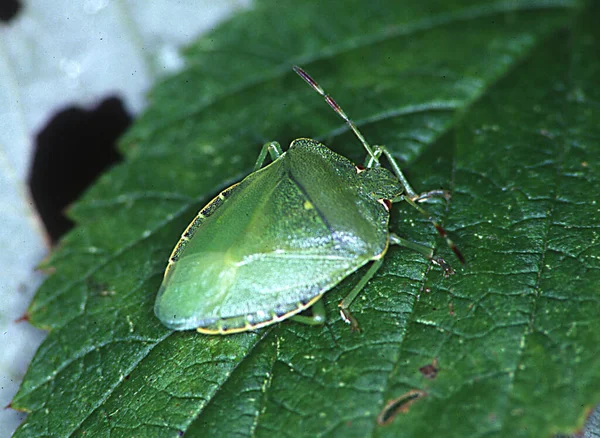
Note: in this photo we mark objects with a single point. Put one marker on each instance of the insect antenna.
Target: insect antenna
(333, 104)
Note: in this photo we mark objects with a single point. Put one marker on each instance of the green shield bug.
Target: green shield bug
(270, 246)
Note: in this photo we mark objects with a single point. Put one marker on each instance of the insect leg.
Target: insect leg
(373, 160)
(345, 303)
(396, 169)
(274, 151)
(440, 193)
(426, 251)
(438, 227)
(412, 198)
(318, 315)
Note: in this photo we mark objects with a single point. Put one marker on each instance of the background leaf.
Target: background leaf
(496, 102)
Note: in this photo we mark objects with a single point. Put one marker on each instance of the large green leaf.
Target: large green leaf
(497, 102)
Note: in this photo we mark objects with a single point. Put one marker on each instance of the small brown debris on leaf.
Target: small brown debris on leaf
(430, 371)
(400, 405)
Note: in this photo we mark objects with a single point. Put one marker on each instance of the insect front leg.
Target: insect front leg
(379, 150)
(274, 150)
(413, 198)
(373, 160)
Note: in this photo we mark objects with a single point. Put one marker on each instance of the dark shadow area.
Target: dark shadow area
(74, 148)
(9, 10)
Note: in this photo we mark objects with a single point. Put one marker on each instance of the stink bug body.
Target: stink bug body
(270, 246)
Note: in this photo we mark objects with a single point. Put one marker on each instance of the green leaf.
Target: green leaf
(496, 102)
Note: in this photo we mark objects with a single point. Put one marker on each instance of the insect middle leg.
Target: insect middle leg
(426, 251)
(274, 150)
(318, 315)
